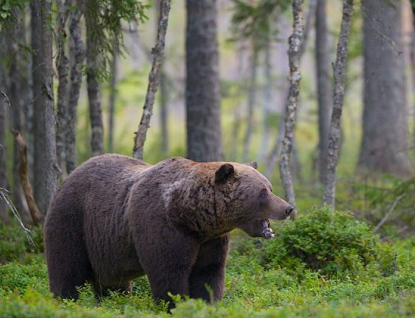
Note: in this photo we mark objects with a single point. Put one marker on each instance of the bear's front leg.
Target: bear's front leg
(168, 261)
(207, 278)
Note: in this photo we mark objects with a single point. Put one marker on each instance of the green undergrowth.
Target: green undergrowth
(322, 264)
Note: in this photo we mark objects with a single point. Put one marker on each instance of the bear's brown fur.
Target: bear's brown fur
(116, 218)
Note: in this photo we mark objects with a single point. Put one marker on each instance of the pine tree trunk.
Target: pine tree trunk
(94, 64)
(77, 55)
(294, 53)
(324, 90)
(3, 124)
(335, 124)
(45, 147)
(202, 82)
(384, 147)
(251, 103)
(164, 100)
(62, 65)
(38, 133)
(112, 97)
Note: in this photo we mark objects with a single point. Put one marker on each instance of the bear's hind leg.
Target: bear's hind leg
(66, 256)
(209, 270)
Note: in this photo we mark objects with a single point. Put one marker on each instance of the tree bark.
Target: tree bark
(94, 65)
(3, 116)
(202, 83)
(158, 52)
(251, 103)
(77, 57)
(294, 53)
(335, 125)
(48, 142)
(384, 147)
(324, 90)
(112, 97)
(62, 65)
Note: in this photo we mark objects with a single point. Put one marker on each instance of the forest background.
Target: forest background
(357, 261)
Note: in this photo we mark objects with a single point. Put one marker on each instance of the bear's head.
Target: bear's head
(251, 202)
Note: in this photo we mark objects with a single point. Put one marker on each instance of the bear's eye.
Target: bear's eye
(263, 194)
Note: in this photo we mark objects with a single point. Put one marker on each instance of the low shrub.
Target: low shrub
(332, 243)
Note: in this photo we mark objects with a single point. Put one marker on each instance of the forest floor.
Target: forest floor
(321, 265)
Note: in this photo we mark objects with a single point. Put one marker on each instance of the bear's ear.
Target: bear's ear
(252, 164)
(224, 173)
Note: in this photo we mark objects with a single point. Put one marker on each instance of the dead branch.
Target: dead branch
(24, 179)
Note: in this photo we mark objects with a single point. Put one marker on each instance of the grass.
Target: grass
(264, 278)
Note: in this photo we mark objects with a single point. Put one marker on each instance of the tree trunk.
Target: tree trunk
(275, 151)
(267, 101)
(335, 125)
(44, 118)
(112, 97)
(158, 52)
(251, 103)
(38, 133)
(294, 54)
(384, 147)
(62, 65)
(3, 124)
(94, 64)
(202, 83)
(324, 90)
(16, 79)
(163, 100)
(77, 57)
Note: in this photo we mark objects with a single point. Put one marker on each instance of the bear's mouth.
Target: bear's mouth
(267, 232)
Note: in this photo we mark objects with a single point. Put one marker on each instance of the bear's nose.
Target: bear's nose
(289, 210)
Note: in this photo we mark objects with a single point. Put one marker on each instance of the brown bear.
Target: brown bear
(116, 218)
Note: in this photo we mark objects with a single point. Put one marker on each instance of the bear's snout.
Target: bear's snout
(288, 211)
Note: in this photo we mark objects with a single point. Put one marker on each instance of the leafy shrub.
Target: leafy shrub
(332, 243)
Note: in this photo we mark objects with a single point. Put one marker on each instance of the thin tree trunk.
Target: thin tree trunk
(38, 133)
(204, 141)
(294, 53)
(163, 99)
(275, 151)
(112, 97)
(62, 65)
(267, 100)
(158, 52)
(48, 142)
(94, 64)
(335, 125)
(77, 57)
(324, 90)
(3, 123)
(251, 103)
